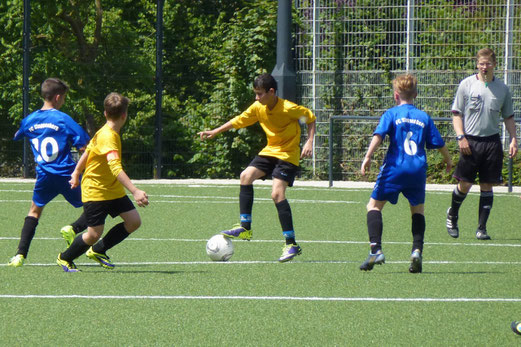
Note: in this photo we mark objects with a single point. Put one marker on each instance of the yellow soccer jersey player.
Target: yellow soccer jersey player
(281, 125)
(99, 180)
(279, 119)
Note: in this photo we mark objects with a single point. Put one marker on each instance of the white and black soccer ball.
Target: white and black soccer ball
(219, 248)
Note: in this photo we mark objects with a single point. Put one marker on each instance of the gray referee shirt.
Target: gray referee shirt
(481, 107)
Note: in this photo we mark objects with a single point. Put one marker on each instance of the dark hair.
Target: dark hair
(266, 82)
(52, 87)
(115, 105)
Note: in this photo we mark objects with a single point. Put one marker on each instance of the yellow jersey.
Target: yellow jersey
(281, 125)
(99, 183)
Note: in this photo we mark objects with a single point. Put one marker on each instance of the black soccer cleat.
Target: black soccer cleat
(452, 225)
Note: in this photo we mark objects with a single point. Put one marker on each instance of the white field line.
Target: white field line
(480, 244)
(141, 239)
(254, 298)
(263, 262)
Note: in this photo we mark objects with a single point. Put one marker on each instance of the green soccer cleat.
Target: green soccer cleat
(238, 232)
(67, 266)
(68, 234)
(289, 252)
(16, 261)
(102, 259)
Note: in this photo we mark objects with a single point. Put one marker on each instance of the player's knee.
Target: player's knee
(277, 196)
(132, 224)
(246, 177)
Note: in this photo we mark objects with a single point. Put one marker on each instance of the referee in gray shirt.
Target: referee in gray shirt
(481, 101)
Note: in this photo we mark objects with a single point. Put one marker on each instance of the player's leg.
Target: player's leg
(79, 245)
(465, 173)
(418, 234)
(253, 172)
(489, 175)
(73, 196)
(375, 231)
(27, 235)
(284, 175)
(486, 199)
(124, 208)
(44, 191)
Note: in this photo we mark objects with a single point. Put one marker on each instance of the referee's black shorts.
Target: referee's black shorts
(486, 160)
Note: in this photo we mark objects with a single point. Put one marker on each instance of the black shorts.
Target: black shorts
(276, 168)
(486, 160)
(97, 211)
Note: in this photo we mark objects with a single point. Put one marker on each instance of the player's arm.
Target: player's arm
(366, 164)
(457, 123)
(307, 149)
(510, 125)
(116, 168)
(210, 134)
(80, 167)
(446, 158)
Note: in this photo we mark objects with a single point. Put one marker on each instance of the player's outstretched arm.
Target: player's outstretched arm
(366, 164)
(80, 167)
(307, 149)
(446, 158)
(210, 134)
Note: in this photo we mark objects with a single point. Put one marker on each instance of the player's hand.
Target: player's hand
(464, 147)
(307, 150)
(449, 165)
(74, 181)
(207, 134)
(141, 198)
(512, 151)
(366, 166)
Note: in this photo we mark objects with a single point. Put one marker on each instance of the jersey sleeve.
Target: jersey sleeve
(20, 133)
(302, 113)
(384, 126)
(79, 137)
(433, 139)
(508, 108)
(247, 118)
(459, 100)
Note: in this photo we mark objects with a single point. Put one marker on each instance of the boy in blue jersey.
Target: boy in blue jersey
(52, 134)
(410, 131)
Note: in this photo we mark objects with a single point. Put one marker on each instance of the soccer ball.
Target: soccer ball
(219, 248)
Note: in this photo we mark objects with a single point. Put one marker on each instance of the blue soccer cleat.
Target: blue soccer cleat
(372, 259)
(416, 262)
(289, 252)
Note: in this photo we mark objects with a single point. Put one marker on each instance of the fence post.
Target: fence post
(159, 89)
(26, 72)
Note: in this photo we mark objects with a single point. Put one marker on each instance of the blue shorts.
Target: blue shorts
(390, 192)
(48, 186)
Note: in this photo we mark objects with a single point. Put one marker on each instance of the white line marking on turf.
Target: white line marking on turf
(255, 262)
(479, 244)
(264, 298)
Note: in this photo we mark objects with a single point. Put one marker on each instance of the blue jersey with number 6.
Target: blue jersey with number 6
(410, 131)
(52, 133)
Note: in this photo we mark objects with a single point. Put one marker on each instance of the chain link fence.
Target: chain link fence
(348, 51)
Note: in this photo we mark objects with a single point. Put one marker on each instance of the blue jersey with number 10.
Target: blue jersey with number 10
(52, 134)
(410, 131)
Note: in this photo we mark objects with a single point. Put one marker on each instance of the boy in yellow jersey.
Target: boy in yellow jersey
(279, 119)
(103, 191)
